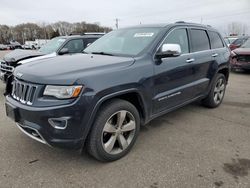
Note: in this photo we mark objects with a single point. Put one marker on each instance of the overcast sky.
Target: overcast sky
(130, 12)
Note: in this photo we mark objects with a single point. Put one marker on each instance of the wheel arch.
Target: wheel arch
(225, 71)
(131, 95)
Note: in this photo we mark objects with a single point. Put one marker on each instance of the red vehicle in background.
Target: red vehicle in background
(238, 42)
(241, 57)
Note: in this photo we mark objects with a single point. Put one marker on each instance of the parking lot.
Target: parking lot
(190, 147)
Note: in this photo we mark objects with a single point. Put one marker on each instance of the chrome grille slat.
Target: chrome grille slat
(23, 92)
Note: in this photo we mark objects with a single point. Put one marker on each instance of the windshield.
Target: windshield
(246, 44)
(52, 45)
(231, 40)
(128, 42)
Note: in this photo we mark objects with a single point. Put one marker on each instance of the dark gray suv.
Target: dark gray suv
(122, 81)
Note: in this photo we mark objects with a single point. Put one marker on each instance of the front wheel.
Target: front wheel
(114, 131)
(217, 92)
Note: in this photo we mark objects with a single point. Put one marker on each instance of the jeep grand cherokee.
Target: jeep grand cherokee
(122, 81)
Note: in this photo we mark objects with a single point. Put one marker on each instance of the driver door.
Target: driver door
(174, 76)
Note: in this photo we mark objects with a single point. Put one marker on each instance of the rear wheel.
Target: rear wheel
(114, 131)
(217, 92)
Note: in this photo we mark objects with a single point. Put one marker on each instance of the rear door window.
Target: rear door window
(199, 40)
(215, 40)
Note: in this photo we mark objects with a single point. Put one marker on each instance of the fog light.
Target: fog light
(59, 123)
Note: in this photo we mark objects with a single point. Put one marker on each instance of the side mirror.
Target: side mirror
(63, 51)
(169, 50)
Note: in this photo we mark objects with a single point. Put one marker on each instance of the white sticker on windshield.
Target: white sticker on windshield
(143, 34)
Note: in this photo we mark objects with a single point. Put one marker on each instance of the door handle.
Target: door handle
(190, 60)
(215, 55)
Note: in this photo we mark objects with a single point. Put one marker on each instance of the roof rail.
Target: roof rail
(93, 33)
(180, 22)
(71, 34)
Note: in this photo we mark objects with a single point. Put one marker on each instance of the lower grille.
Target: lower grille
(23, 92)
(243, 58)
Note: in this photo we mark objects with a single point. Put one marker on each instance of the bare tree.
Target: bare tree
(31, 31)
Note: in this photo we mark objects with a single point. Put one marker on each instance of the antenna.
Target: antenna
(117, 23)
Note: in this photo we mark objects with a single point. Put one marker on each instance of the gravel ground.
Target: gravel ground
(190, 147)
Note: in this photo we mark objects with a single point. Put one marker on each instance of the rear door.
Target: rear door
(220, 52)
(203, 65)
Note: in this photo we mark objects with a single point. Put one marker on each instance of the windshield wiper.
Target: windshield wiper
(102, 53)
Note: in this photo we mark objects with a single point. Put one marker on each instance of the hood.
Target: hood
(22, 62)
(242, 51)
(67, 69)
(17, 55)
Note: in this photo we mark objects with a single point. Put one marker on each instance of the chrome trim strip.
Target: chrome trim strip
(42, 140)
(50, 120)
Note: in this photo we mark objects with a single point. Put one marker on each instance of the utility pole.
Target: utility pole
(23, 37)
(117, 23)
(45, 35)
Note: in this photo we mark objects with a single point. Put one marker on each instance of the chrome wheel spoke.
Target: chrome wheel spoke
(109, 128)
(222, 87)
(128, 127)
(122, 142)
(121, 117)
(216, 89)
(221, 95)
(220, 82)
(110, 144)
(216, 97)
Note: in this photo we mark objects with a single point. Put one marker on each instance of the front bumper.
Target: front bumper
(236, 64)
(34, 122)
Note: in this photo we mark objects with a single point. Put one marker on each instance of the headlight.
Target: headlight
(62, 92)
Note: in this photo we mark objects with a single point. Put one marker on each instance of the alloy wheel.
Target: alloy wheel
(118, 132)
(219, 90)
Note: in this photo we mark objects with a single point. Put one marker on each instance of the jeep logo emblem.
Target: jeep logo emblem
(19, 75)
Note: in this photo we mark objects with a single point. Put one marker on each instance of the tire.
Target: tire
(107, 130)
(217, 92)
